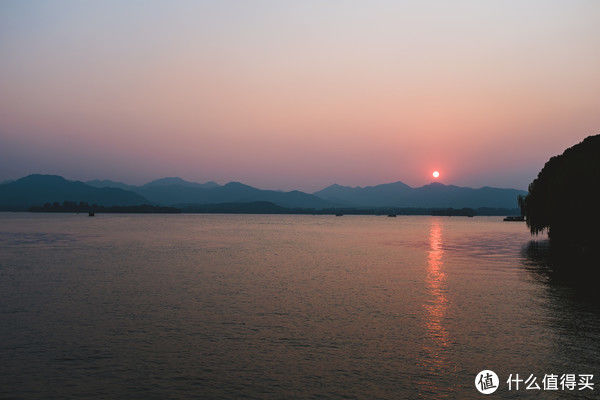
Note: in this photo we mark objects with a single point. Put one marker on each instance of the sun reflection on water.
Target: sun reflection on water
(436, 286)
(435, 348)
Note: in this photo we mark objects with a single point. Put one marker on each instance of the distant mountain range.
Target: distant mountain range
(178, 192)
(36, 190)
(433, 195)
(158, 183)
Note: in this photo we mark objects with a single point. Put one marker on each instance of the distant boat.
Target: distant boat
(91, 213)
(515, 218)
(339, 214)
(392, 215)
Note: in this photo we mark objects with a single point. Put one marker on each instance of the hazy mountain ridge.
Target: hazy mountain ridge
(370, 196)
(177, 191)
(233, 192)
(37, 189)
(398, 194)
(170, 181)
(173, 191)
(107, 183)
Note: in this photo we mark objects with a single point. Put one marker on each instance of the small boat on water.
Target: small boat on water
(91, 213)
(339, 214)
(392, 215)
(514, 218)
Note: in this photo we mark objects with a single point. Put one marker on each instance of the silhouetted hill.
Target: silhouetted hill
(107, 183)
(175, 181)
(434, 195)
(233, 192)
(564, 197)
(34, 190)
(371, 196)
(440, 195)
(162, 182)
(176, 191)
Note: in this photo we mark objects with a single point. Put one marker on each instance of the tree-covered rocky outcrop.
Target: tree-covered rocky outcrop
(564, 199)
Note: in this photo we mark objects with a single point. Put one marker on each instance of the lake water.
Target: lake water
(281, 306)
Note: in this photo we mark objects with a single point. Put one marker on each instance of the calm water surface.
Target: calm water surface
(256, 306)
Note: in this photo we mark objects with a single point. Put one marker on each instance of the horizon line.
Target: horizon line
(256, 187)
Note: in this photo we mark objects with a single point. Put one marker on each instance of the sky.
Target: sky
(296, 94)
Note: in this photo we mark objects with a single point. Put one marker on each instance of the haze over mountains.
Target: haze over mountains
(35, 190)
(433, 195)
(39, 189)
(176, 191)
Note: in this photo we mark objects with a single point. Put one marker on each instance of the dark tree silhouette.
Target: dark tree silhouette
(565, 196)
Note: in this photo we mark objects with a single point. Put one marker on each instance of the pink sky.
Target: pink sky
(296, 94)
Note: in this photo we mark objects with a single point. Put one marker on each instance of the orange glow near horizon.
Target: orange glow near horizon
(436, 174)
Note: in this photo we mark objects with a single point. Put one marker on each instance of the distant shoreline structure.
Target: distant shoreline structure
(262, 207)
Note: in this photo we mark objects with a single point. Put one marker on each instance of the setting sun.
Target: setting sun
(436, 174)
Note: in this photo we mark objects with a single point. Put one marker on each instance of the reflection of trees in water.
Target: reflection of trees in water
(573, 304)
(563, 269)
(572, 300)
